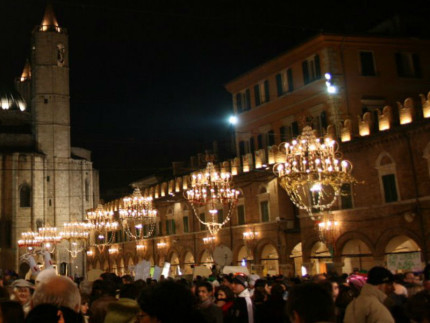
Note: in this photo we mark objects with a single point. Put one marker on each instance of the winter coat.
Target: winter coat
(368, 307)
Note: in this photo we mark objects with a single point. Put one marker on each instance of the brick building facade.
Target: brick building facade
(385, 217)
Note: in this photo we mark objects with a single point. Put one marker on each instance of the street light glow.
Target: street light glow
(233, 120)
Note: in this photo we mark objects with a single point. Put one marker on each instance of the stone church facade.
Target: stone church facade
(43, 180)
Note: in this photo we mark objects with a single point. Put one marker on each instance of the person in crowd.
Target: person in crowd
(130, 291)
(259, 300)
(251, 284)
(4, 294)
(369, 305)
(399, 287)
(227, 280)
(59, 291)
(127, 279)
(22, 290)
(50, 313)
(85, 306)
(242, 309)
(11, 312)
(125, 310)
(417, 307)
(224, 299)
(168, 302)
(275, 305)
(211, 312)
(309, 303)
(102, 294)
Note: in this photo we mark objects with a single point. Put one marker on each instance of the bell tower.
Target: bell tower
(50, 87)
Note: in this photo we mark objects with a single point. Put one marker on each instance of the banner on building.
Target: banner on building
(410, 261)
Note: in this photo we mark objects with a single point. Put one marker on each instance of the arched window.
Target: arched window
(25, 196)
(387, 178)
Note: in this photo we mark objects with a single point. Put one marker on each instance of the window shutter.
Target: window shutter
(305, 72)
(252, 144)
(241, 215)
(345, 196)
(295, 128)
(399, 64)
(266, 91)
(260, 141)
(248, 99)
(264, 211)
(239, 102)
(173, 226)
(290, 80)
(185, 222)
(317, 67)
(241, 148)
(282, 133)
(271, 137)
(279, 84)
(257, 94)
(417, 65)
(323, 117)
(390, 191)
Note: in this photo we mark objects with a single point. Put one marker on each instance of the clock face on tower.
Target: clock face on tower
(61, 52)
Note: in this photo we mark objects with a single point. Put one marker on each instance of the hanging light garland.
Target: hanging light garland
(104, 226)
(48, 237)
(138, 215)
(213, 190)
(77, 233)
(313, 172)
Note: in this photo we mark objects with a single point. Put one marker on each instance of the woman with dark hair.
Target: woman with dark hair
(224, 298)
(11, 312)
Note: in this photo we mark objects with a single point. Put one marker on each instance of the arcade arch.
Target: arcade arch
(321, 259)
(356, 255)
(270, 259)
(402, 253)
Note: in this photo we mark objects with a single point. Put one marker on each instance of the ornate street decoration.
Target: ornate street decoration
(213, 190)
(138, 215)
(77, 234)
(313, 172)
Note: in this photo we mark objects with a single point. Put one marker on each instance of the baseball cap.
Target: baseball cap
(379, 275)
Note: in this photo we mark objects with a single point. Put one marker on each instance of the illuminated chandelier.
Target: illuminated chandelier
(138, 215)
(212, 189)
(313, 172)
(102, 222)
(28, 240)
(77, 233)
(48, 237)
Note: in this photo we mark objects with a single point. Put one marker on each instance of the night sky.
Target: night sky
(147, 77)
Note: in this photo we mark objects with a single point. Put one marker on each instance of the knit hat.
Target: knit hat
(122, 311)
(379, 275)
(239, 279)
(22, 283)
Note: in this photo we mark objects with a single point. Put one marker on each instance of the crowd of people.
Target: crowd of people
(377, 296)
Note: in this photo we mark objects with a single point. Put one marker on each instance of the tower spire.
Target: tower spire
(26, 72)
(49, 22)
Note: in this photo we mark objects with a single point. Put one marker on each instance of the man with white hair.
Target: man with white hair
(58, 290)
